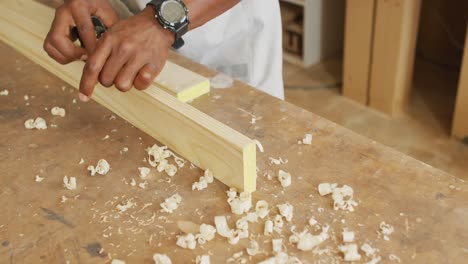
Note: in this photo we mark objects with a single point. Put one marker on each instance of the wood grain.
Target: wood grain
(359, 27)
(197, 137)
(460, 119)
(395, 31)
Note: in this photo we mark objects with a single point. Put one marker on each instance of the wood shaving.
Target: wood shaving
(278, 161)
(204, 180)
(268, 228)
(39, 178)
(157, 158)
(142, 185)
(342, 196)
(4, 92)
(307, 140)
(386, 230)
(63, 199)
(286, 210)
(222, 227)
(278, 224)
(102, 168)
(186, 241)
(284, 178)
(394, 257)
(170, 170)
(281, 258)
(125, 206)
(144, 172)
(161, 259)
(350, 252)
(58, 111)
(261, 209)
(172, 203)
(81, 161)
(106, 137)
(133, 182)
(203, 259)
(70, 184)
(38, 123)
(239, 204)
(348, 236)
(259, 145)
(207, 233)
(117, 261)
(253, 248)
(277, 245)
(306, 241)
(312, 221)
(370, 251)
(326, 188)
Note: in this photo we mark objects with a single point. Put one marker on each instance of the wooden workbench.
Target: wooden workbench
(427, 207)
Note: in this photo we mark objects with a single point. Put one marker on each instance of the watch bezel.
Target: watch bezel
(173, 26)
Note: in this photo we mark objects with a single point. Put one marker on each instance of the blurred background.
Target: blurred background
(388, 71)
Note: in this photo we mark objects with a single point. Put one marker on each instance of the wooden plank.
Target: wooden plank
(395, 31)
(358, 49)
(174, 79)
(199, 138)
(460, 118)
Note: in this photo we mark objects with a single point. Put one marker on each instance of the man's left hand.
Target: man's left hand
(132, 53)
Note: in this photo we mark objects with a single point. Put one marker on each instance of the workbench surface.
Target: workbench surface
(427, 207)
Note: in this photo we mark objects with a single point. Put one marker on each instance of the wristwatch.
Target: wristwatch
(172, 15)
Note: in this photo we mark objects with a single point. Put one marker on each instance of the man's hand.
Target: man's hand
(58, 43)
(130, 53)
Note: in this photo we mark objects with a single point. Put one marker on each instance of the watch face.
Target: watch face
(172, 11)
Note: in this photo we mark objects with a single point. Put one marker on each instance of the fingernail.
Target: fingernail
(83, 97)
(84, 57)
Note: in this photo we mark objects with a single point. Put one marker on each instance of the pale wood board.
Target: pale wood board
(460, 119)
(174, 79)
(197, 137)
(358, 49)
(395, 31)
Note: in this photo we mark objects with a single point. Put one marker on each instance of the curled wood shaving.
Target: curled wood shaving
(58, 111)
(102, 168)
(69, 183)
(161, 259)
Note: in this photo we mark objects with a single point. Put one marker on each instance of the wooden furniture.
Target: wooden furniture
(380, 40)
(460, 119)
(359, 27)
(199, 138)
(317, 24)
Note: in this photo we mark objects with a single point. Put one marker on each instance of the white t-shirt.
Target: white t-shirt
(244, 43)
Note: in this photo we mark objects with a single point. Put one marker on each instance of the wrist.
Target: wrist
(149, 13)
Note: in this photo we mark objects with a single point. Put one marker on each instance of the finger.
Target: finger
(108, 16)
(146, 76)
(113, 66)
(94, 65)
(124, 80)
(82, 17)
(55, 54)
(59, 38)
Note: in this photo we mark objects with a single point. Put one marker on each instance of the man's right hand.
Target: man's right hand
(59, 44)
